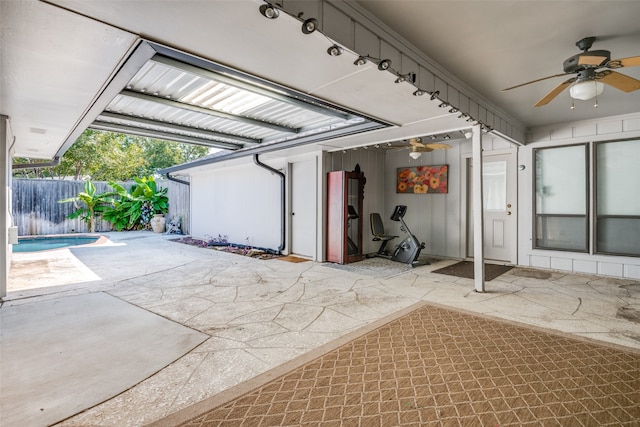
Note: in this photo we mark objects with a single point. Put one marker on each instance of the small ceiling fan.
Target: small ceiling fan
(418, 147)
(591, 69)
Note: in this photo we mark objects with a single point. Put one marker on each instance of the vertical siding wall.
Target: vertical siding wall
(36, 210)
(438, 220)
(611, 128)
(433, 218)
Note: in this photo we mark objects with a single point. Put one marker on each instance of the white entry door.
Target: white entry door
(500, 210)
(304, 212)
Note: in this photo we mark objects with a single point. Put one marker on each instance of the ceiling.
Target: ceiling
(492, 45)
(71, 64)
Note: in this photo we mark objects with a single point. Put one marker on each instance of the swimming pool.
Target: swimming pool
(45, 243)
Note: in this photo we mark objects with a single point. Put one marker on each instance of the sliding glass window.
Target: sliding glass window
(561, 202)
(617, 227)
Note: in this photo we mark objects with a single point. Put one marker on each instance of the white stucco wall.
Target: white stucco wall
(241, 202)
(611, 128)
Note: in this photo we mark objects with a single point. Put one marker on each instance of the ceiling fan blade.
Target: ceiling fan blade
(555, 92)
(438, 146)
(423, 149)
(619, 81)
(416, 142)
(632, 61)
(534, 81)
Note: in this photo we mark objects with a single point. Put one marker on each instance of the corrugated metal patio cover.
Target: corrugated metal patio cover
(178, 97)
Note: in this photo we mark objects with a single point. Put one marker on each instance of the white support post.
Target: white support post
(5, 171)
(478, 211)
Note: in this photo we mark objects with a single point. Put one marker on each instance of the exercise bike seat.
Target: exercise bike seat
(351, 212)
(377, 229)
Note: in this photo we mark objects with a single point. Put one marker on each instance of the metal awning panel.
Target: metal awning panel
(169, 82)
(168, 114)
(171, 95)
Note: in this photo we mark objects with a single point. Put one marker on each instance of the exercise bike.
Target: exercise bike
(408, 250)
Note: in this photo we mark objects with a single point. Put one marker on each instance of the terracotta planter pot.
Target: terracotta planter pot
(158, 223)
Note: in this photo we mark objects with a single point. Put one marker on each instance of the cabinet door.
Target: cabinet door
(335, 217)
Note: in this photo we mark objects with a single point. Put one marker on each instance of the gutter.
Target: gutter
(276, 146)
(50, 164)
(282, 200)
(174, 179)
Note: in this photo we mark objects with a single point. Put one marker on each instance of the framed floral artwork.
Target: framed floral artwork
(423, 179)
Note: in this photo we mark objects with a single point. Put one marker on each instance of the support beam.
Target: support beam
(132, 130)
(478, 211)
(142, 122)
(206, 111)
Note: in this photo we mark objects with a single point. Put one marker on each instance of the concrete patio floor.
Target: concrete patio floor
(259, 314)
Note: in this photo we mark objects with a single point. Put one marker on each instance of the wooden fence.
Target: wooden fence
(36, 211)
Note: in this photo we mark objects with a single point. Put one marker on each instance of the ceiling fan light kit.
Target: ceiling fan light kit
(586, 90)
(415, 155)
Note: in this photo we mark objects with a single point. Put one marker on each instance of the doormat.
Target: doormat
(464, 269)
(291, 258)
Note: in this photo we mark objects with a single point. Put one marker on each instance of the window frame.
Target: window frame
(595, 215)
(587, 216)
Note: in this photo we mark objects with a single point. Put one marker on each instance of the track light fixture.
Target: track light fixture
(334, 50)
(434, 94)
(443, 105)
(310, 25)
(453, 110)
(360, 61)
(418, 92)
(410, 77)
(446, 137)
(468, 134)
(268, 11)
(384, 65)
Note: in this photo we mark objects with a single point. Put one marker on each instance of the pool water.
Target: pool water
(35, 244)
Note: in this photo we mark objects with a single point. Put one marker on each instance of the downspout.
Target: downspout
(282, 199)
(174, 179)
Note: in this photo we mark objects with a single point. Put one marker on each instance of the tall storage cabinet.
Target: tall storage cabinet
(345, 192)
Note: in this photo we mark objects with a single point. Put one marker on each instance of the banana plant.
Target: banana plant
(134, 208)
(89, 205)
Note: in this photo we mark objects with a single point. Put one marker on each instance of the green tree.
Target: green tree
(102, 156)
(160, 154)
(108, 156)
